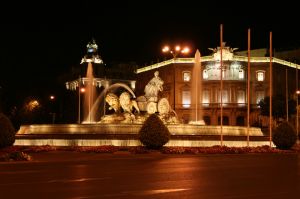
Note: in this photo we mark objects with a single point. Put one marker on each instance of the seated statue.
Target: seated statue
(153, 87)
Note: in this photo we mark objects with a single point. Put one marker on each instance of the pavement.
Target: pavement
(66, 174)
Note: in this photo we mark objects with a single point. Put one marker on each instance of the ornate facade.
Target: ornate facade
(178, 76)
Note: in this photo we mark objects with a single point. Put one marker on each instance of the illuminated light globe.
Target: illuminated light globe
(176, 51)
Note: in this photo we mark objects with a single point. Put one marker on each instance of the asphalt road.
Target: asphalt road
(89, 175)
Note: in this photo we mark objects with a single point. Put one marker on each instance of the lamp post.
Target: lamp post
(297, 95)
(297, 116)
(52, 113)
(80, 90)
(176, 50)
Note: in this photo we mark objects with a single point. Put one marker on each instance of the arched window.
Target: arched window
(225, 120)
(260, 75)
(205, 98)
(241, 97)
(186, 98)
(206, 120)
(240, 121)
(259, 96)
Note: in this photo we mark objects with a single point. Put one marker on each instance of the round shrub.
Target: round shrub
(154, 134)
(284, 136)
(7, 132)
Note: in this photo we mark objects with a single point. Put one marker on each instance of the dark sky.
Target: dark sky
(40, 41)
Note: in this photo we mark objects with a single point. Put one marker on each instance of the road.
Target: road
(89, 175)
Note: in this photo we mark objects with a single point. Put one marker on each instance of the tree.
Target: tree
(7, 132)
(278, 106)
(154, 134)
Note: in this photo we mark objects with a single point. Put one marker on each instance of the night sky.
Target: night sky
(39, 42)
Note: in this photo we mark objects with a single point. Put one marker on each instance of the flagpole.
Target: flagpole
(221, 72)
(248, 89)
(297, 101)
(271, 89)
(286, 94)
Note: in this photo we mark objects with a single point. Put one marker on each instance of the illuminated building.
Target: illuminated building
(101, 79)
(178, 74)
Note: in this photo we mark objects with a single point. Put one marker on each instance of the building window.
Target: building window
(241, 97)
(205, 98)
(259, 96)
(186, 99)
(260, 75)
(224, 97)
(206, 120)
(240, 121)
(223, 74)
(241, 74)
(186, 76)
(205, 74)
(225, 120)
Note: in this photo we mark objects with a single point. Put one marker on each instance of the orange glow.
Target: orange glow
(185, 50)
(32, 105)
(82, 90)
(297, 92)
(176, 50)
(166, 49)
(52, 97)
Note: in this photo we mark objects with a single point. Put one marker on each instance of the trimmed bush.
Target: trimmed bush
(154, 134)
(7, 132)
(284, 136)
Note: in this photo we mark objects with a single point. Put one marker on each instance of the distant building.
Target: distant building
(178, 77)
(101, 79)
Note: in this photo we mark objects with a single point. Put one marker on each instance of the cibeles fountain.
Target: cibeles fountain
(129, 110)
(127, 115)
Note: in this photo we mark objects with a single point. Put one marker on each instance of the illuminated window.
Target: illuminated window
(241, 97)
(224, 97)
(259, 96)
(260, 75)
(241, 74)
(205, 97)
(186, 99)
(186, 76)
(205, 74)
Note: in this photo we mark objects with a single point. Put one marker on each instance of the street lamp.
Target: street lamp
(53, 114)
(176, 50)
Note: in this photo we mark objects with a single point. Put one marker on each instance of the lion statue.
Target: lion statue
(127, 104)
(124, 102)
(113, 102)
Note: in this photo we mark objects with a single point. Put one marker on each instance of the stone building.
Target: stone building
(178, 86)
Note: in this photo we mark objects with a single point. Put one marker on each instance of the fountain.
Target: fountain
(89, 97)
(196, 87)
(121, 127)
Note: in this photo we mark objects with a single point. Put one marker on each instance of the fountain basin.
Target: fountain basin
(127, 135)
